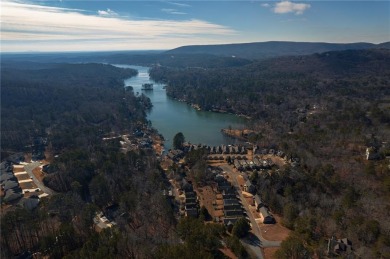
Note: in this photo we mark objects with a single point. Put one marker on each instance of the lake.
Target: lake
(169, 116)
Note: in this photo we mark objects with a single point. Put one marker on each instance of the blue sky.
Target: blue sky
(137, 25)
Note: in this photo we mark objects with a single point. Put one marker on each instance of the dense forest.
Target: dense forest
(326, 109)
(74, 107)
(54, 98)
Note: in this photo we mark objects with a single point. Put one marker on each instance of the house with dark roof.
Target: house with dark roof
(192, 212)
(190, 200)
(339, 246)
(224, 186)
(16, 158)
(188, 206)
(230, 221)
(232, 207)
(7, 177)
(233, 213)
(231, 190)
(189, 194)
(229, 196)
(249, 187)
(29, 203)
(186, 186)
(5, 167)
(8, 185)
(11, 196)
(231, 202)
(372, 153)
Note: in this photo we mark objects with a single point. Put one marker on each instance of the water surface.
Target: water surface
(169, 116)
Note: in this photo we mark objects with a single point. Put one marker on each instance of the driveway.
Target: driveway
(29, 169)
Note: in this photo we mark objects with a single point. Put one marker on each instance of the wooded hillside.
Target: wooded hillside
(74, 107)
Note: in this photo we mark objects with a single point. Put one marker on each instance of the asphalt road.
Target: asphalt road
(29, 168)
(255, 241)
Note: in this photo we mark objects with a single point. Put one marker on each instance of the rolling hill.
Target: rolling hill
(262, 50)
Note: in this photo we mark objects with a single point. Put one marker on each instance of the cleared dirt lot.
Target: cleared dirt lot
(269, 252)
(38, 173)
(241, 181)
(34, 193)
(280, 162)
(22, 177)
(29, 185)
(18, 169)
(226, 251)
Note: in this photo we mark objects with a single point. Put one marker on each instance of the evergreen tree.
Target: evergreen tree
(178, 141)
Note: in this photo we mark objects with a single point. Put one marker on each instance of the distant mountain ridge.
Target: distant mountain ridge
(262, 50)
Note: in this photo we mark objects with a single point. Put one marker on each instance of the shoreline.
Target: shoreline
(199, 108)
(237, 133)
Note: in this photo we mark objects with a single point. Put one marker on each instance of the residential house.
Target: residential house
(249, 187)
(231, 202)
(229, 223)
(233, 213)
(258, 202)
(193, 212)
(232, 207)
(29, 203)
(7, 177)
(229, 196)
(190, 200)
(11, 196)
(237, 165)
(339, 246)
(8, 185)
(267, 217)
(371, 153)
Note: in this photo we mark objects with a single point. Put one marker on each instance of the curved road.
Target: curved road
(29, 169)
(254, 242)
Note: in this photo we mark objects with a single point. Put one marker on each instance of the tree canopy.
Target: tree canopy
(178, 140)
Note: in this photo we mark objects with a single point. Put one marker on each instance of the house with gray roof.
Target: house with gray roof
(258, 202)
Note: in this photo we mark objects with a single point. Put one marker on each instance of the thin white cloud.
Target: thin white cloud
(179, 4)
(266, 5)
(172, 11)
(290, 7)
(26, 24)
(107, 12)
